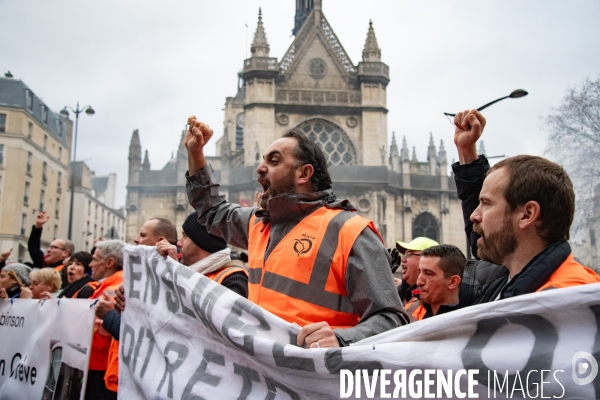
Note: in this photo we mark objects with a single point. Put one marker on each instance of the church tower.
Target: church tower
(259, 73)
(303, 9)
(135, 157)
(374, 78)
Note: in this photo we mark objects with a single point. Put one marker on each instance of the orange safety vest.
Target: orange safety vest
(94, 285)
(101, 343)
(304, 279)
(415, 310)
(228, 269)
(111, 377)
(570, 273)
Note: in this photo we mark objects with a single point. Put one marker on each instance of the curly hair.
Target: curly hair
(308, 152)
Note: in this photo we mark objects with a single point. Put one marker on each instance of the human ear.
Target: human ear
(530, 214)
(304, 174)
(454, 282)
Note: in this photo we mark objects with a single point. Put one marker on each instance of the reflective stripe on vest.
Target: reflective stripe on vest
(303, 280)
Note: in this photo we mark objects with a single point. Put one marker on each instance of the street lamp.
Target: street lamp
(514, 95)
(89, 111)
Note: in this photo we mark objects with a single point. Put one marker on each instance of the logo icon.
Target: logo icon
(584, 364)
(302, 246)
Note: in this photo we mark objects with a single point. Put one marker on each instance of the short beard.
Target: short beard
(286, 186)
(496, 246)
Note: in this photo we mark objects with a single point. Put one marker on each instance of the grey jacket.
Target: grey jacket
(369, 282)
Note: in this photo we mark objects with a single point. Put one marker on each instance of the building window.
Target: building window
(44, 114)
(1, 154)
(26, 194)
(59, 153)
(59, 183)
(29, 158)
(89, 211)
(45, 142)
(57, 212)
(2, 122)
(42, 198)
(44, 170)
(59, 127)
(425, 225)
(23, 224)
(30, 131)
(55, 231)
(0, 187)
(334, 142)
(29, 99)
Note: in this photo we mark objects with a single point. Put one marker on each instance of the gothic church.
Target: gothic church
(314, 87)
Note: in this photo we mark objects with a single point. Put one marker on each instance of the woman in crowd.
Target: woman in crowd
(12, 278)
(80, 286)
(45, 284)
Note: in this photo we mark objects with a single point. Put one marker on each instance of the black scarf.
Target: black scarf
(71, 289)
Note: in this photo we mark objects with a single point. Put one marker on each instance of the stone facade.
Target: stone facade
(93, 213)
(35, 145)
(316, 88)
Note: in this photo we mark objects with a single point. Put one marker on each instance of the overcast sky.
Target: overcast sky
(148, 64)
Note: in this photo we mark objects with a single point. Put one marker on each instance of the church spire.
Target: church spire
(481, 148)
(146, 163)
(371, 52)
(303, 8)
(260, 46)
(431, 149)
(404, 151)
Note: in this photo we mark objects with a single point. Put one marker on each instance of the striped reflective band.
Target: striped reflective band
(314, 292)
(254, 275)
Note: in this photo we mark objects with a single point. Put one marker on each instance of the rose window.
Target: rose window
(334, 142)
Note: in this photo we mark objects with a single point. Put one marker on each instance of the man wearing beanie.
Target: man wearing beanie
(312, 259)
(208, 255)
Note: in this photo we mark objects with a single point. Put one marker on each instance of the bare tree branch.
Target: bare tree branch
(574, 142)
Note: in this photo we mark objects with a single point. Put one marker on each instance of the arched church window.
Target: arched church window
(334, 142)
(425, 225)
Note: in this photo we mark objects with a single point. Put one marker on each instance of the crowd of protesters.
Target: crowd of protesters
(517, 218)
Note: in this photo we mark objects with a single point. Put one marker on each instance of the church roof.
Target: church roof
(14, 93)
(316, 23)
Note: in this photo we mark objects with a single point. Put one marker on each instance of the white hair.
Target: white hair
(112, 249)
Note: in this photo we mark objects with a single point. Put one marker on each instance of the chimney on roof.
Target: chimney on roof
(8, 74)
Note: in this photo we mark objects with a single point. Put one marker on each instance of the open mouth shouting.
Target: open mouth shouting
(264, 196)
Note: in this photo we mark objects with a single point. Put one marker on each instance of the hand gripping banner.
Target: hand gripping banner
(185, 337)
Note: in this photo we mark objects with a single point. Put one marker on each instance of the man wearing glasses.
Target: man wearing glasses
(411, 254)
(55, 255)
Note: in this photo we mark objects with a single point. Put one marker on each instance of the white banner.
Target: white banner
(184, 336)
(45, 348)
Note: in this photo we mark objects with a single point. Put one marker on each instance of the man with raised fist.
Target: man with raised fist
(57, 252)
(313, 260)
